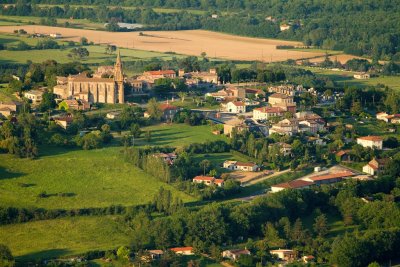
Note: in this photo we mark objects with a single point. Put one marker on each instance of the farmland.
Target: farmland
(191, 42)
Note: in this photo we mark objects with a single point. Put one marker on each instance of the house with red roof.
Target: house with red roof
(240, 166)
(375, 166)
(329, 178)
(208, 180)
(295, 184)
(235, 107)
(183, 250)
(265, 113)
(371, 141)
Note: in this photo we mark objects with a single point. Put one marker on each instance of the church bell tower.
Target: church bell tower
(119, 78)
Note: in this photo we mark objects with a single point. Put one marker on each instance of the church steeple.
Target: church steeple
(119, 78)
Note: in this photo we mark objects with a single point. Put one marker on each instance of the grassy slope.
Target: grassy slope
(60, 237)
(95, 178)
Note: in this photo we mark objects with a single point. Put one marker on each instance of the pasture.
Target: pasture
(61, 237)
(191, 42)
(76, 179)
(345, 78)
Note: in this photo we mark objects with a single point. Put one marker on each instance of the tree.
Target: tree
(135, 130)
(321, 225)
(182, 96)
(148, 135)
(84, 41)
(154, 109)
(123, 253)
(80, 52)
(48, 101)
(110, 49)
(205, 164)
(6, 258)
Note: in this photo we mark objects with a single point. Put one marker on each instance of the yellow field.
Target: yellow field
(193, 42)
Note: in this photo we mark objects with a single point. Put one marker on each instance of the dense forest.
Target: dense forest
(368, 28)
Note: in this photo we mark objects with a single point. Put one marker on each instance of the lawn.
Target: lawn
(76, 179)
(62, 237)
(176, 135)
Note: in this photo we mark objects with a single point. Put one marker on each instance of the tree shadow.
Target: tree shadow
(31, 259)
(5, 174)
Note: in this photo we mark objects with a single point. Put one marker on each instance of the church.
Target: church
(93, 89)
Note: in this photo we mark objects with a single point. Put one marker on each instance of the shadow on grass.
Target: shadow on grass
(5, 174)
(34, 257)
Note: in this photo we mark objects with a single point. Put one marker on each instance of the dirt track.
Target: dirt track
(192, 42)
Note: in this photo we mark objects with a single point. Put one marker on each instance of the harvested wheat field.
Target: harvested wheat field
(192, 42)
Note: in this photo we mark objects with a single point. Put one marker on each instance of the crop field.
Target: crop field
(76, 179)
(61, 237)
(192, 42)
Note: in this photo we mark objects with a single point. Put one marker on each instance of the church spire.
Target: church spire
(119, 78)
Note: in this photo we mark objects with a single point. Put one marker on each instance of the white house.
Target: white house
(208, 180)
(375, 166)
(371, 141)
(362, 76)
(235, 107)
(295, 184)
(35, 96)
(266, 113)
(234, 254)
(240, 166)
(284, 254)
(284, 27)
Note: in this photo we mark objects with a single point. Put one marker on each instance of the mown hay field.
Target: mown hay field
(191, 42)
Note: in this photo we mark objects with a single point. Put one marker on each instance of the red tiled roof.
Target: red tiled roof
(165, 107)
(294, 184)
(332, 176)
(181, 249)
(371, 138)
(219, 181)
(160, 72)
(249, 164)
(270, 110)
(203, 178)
(342, 152)
(238, 103)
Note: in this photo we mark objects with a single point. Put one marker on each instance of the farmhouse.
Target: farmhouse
(197, 77)
(296, 184)
(35, 96)
(375, 166)
(371, 141)
(266, 113)
(329, 178)
(240, 166)
(395, 118)
(362, 76)
(93, 90)
(236, 124)
(284, 27)
(235, 107)
(234, 254)
(10, 108)
(169, 111)
(208, 180)
(285, 127)
(282, 101)
(284, 148)
(183, 250)
(64, 121)
(343, 155)
(284, 254)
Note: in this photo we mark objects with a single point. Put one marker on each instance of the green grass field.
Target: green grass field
(95, 178)
(62, 237)
(178, 135)
(345, 78)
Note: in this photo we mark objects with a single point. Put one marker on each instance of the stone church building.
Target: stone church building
(93, 89)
